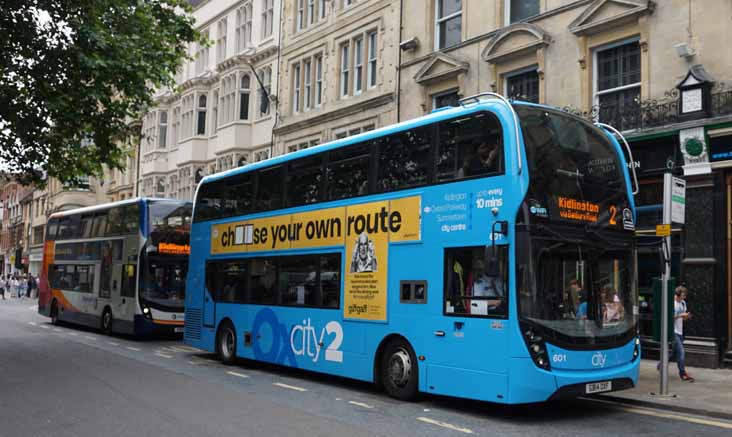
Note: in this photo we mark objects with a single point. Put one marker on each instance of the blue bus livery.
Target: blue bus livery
(484, 251)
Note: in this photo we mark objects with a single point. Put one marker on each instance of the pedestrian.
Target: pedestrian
(2, 286)
(16, 286)
(681, 313)
(32, 284)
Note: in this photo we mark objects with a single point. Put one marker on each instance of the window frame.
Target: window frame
(507, 15)
(596, 93)
(508, 76)
(439, 20)
(344, 72)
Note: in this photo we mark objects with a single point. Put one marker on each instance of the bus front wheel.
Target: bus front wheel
(399, 372)
(226, 343)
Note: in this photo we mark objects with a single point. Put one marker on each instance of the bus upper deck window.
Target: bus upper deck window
(468, 147)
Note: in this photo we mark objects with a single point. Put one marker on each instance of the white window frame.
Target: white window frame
(318, 80)
(242, 92)
(358, 55)
(300, 22)
(199, 110)
(439, 20)
(311, 12)
(267, 18)
(175, 134)
(595, 71)
(202, 55)
(162, 129)
(371, 50)
(214, 111)
(221, 33)
(296, 72)
(321, 9)
(307, 69)
(344, 70)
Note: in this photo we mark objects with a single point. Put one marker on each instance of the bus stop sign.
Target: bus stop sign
(678, 200)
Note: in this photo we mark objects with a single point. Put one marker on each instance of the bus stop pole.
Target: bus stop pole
(667, 180)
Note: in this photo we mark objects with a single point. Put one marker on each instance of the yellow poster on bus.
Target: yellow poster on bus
(365, 230)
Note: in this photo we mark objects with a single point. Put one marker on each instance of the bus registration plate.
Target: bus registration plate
(180, 329)
(598, 387)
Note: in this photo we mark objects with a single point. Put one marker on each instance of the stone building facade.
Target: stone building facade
(657, 70)
(221, 113)
(338, 70)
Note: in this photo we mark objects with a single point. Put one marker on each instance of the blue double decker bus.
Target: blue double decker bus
(484, 251)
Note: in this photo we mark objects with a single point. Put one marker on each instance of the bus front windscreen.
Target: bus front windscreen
(580, 293)
(164, 261)
(576, 175)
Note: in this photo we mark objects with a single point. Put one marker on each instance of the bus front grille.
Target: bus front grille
(193, 324)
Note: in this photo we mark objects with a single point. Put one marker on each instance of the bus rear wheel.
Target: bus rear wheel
(107, 321)
(399, 372)
(54, 313)
(226, 343)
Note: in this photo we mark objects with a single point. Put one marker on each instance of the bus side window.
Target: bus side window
(263, 288)
(405, 159)
(269, 188)
(128, 280)
(132, 218)
(468, 147)
(474, 285)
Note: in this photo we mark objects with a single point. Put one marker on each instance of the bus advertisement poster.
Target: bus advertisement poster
(365, 230)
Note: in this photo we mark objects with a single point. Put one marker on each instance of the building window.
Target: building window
(344, 70)
(300, 14)
(221, 29)
(202, 55)
(267, 18)
(307, 84)
(296, 88)
(261, 155)
(523, 85)
(518, 10)
(215, 110)
(175, 134)
(302, 145)
(449, 98)
(243, 27)
(448, 23)
(244, 87)
(321, 9)
(201, 111)
(228, 99)
(372, 60)
(188, 116)
(617, 82)
(318, 80)
(347, 3)
(148, 131)
(265, 75)
(357, 66)
(162, 129)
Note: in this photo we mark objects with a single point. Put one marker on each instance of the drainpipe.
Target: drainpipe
(399, 62)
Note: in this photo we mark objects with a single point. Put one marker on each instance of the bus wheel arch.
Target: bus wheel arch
(107, 319)
(226, 341)
(396, 369)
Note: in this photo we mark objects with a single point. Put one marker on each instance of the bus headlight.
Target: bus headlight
(537, 350)
(148, 314)
(636, 349)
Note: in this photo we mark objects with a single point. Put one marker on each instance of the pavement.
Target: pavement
(709, 395)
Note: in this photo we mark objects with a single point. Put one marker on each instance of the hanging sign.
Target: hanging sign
(678, 200)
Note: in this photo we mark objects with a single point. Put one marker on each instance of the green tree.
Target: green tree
(74, 73)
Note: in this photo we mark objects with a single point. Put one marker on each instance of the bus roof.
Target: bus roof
(435, 116)
(111, 205)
